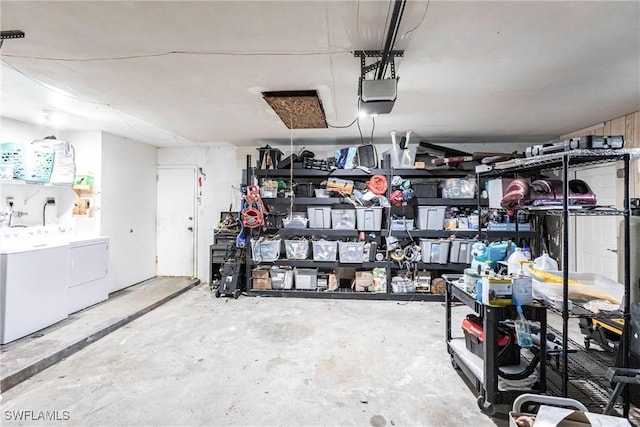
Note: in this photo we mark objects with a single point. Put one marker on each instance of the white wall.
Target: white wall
(128, 213)
(31, 198)
(222, 164)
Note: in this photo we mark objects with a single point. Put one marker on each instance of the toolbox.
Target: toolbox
(474, 337)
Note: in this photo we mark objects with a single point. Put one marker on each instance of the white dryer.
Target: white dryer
(34, 276)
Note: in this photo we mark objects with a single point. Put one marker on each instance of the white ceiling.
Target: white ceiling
(472, 71)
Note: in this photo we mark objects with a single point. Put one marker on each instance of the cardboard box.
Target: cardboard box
(551, 416)
(261, 283)
(363, 281)
(261, 279)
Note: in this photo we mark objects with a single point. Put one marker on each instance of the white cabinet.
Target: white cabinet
(88, 263)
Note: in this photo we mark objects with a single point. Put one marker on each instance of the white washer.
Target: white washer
(34, 275)
(88, 272)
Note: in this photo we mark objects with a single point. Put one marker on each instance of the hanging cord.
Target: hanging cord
(291, 169)
(373, 127)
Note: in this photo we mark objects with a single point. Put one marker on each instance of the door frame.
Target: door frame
(194, 168)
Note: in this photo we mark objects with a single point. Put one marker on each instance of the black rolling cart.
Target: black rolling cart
(484, 373)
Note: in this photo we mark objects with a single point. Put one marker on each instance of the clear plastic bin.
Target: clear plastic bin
(351, 252)
(296, 220)
(325, 250)
(297, 249)
(343, 219)
(402, 224)
(281, 278)
(306, 278)
(265, 250)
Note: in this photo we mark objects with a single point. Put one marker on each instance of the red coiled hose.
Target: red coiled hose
(378, 184)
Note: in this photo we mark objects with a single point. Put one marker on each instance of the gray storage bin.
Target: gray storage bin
(369, 219)
(431, 217)
(435, 251)
(319, 216)
(460, 251)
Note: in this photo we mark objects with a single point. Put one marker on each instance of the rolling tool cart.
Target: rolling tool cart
(486, 355)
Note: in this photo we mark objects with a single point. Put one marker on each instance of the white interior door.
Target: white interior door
(595, 236)
(176, 221)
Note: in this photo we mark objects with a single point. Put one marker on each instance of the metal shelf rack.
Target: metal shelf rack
(564, 161)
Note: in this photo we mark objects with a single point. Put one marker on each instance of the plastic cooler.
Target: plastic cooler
(319, 216)
(369, 219)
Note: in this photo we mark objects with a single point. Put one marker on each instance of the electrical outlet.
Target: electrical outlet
(51, 200)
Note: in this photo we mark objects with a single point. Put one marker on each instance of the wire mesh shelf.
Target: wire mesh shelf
(555, 160)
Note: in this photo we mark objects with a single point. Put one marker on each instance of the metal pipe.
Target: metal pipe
(626, 329)
(565, 274)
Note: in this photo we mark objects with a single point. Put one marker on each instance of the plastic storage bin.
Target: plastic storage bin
(369, 219)
(325, 250)
(319, 216)
(435, 251)
(402, 224)
(460, 251)
(343, 219)
(351, 252)
(297, 249)
(296, 220)
(306, 278)
(281, 278)
(431, 217)
(265, 251)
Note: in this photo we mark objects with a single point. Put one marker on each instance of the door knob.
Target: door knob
(190, 228)
(190, 218)
(615, 251)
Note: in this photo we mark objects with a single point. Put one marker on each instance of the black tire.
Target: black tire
(217, 293)
(587, 343)
(236, 294)
(454, 363)
(487, 408)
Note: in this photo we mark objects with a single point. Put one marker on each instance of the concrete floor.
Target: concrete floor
(197, 360)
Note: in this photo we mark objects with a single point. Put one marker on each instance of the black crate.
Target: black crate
(426, 189)
(304, 190)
